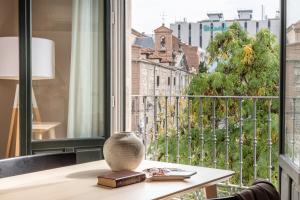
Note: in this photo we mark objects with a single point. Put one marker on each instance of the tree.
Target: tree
(203, 68)
(246, 66)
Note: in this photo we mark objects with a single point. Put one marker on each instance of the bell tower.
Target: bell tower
(163, 41)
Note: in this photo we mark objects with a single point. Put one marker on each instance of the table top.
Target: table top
(44, 126)
(80, 182)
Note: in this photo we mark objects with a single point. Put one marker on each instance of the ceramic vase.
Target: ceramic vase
(123, 151)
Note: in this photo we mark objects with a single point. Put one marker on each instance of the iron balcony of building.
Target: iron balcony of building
(165, 112)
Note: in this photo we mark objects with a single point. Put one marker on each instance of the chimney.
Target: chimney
(215, 16)
(245, 14)
(277, 16)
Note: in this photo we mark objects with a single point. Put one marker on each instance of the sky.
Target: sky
(148, 14)
(293, 12)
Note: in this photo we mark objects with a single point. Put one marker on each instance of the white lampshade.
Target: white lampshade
(43, 58)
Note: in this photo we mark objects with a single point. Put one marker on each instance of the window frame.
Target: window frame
(289, 174)
(25, 83)
(27, 146)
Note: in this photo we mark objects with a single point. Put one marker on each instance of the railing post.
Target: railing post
(214, 134)
(227, 135)
(254, 139)
(201, 131)
(177, 129)
(241, 141)
(295, 119)
(166, 129)
(294, 129)
(189, 132)
(270, 139)
(145, 125)
(155, 128)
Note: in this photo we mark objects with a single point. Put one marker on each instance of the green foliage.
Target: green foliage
(203, 68)
(246, 66)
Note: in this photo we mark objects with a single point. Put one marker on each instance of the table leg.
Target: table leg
(39, 135)
(17, 151)
(52, 133)
(211, 192)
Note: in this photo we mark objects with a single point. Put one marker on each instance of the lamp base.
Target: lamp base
(13, 141)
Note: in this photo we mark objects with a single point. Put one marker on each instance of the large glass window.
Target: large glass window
(221, 109)
(68, 69)
(292, 92)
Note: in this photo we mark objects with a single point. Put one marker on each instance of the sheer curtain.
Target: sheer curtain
(85, 117)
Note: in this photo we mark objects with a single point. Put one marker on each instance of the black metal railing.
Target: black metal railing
(230, 132)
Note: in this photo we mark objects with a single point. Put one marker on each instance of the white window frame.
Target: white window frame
(121, 65)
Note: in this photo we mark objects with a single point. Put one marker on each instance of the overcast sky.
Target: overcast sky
(293, 12)
(147, 14)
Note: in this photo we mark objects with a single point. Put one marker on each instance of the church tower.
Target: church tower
(163, 42)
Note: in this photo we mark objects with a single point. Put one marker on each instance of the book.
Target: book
(121, 178)
(165, 174)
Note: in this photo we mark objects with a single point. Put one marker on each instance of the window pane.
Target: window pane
(9, 75)
(292, 106)
(67, 69)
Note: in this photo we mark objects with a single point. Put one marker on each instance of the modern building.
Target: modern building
(201, 32)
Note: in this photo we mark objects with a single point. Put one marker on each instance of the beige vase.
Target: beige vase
(123, 151)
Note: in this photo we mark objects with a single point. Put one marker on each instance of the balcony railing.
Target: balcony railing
(239, 133)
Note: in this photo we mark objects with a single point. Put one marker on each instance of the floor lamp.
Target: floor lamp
(43, 67)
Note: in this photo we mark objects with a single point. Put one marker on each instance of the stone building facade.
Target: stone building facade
(292, 107)
(161, 65)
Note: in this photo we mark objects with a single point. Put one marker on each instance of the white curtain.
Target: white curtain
(85, 117)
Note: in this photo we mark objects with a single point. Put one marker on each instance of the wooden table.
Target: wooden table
(40, 128)
(78, 182)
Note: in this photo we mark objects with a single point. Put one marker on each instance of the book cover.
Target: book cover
(164, 174)
(121, 178)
